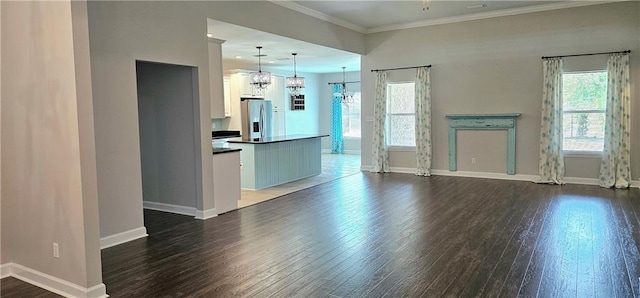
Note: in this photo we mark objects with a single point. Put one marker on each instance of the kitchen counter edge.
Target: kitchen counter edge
(225, 150)
(277, 139)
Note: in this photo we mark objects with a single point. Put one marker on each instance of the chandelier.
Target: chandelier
(345, 95)
(260, 79)
(295, 83)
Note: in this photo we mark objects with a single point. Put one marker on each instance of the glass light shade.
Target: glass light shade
(294, 84)
(260, 79)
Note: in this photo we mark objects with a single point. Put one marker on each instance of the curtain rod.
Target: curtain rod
(398, 68)
(336, 83)
(590, 54)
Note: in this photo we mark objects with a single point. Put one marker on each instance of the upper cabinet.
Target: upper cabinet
(275, 92)
(227, 97)
(216, 92)
(245, 87)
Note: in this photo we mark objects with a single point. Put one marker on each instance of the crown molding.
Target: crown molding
(489, 14)
(318, 15)
(440, 21)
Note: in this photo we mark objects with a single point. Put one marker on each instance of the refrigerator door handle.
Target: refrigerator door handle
(261, 123)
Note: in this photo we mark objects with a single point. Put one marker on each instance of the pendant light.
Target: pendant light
(345, 96)
(260, 79)
(295, 83)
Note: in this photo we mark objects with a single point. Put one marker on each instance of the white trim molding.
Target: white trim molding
(126, 236)
(177, 209)
(319, 15)
(488, 15)
(439, 21)
(500, 176)
(52, 283)
(206, 214)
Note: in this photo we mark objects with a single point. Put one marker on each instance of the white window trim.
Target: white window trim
(388, 129)
(583, 153)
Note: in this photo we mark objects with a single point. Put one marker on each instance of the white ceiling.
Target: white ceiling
(372, 16)
(363, 16)
(312, 58)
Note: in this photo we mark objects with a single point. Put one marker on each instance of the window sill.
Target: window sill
(583, 154)
(351, 138)
(402, 148)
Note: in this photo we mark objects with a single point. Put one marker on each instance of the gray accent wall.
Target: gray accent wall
(49, 191)
(494, 66)
(122, 32)
(167, 134)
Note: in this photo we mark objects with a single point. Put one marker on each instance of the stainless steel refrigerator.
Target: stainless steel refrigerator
(255, 115)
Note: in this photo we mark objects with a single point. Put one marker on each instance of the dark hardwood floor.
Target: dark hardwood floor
(13, 287)
(394, 235)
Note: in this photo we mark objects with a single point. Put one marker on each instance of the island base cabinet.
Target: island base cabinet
(226, 181)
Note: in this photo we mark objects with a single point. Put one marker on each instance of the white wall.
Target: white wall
(297, 122)
(326, 95)
(494, 66)
(48, 158)
(167, 140)
(169, 32)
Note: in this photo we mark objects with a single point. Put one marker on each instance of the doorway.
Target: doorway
(167, 106)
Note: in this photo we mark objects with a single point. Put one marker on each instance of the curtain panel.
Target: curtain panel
(615, 168)
(423, 121)
(337, 140)
(379, 154)
(551, 162)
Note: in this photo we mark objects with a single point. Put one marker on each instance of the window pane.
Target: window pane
(351, 117)
(584, 104)
(402, 130)
(400, 98)
(584, 91)
(583, 131)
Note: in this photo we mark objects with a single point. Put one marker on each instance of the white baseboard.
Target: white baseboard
(52, 283)
(123, 237)
(486, 175)
(501, 176)
(206, 214)
(5, 270)
(177, 209)
(348, 152)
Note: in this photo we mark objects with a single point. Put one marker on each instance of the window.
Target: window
(401, 112)
(351, 117)
(584, 106)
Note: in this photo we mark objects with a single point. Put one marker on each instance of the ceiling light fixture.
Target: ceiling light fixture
(295, 83)
(425, 5)
(476, 6)
(260, 79)
(238, 57)
(345, 95)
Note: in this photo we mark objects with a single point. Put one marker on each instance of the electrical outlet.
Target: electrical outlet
(473, 160)
(56, 250)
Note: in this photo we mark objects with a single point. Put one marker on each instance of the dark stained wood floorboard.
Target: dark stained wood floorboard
(13, 287)
(372, 235)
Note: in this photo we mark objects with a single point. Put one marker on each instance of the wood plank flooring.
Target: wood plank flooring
(394, 235)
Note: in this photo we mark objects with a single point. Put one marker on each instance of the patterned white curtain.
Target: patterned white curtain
(551, 162)
(379, 154)
(423, 121)
(615, 168)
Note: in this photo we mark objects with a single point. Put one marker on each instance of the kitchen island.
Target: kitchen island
(273, 161)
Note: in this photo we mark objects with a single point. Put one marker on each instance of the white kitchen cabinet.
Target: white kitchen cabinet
(227, 97)
(276, 92)
(245, 88)
(226, 181)
(216, 94)
(279, 125)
